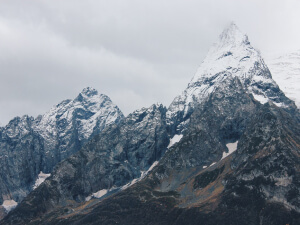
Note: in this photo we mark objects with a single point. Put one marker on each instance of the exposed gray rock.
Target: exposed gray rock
(262, 189)
(28, 145)
(20, 158)
(219, 120)
(67, 126)
(268, 158)
(117, 155)
(259, 181)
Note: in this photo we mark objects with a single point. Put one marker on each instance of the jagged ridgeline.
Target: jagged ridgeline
(32, 147)
(226, 151)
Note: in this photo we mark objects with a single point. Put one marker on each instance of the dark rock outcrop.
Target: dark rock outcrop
(20, 157)
(113, 158)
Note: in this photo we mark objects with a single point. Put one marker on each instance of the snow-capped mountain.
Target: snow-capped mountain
(285, 71)
(235, 163)
(231, 56)
(199, 178)
(121, 153)
(68, 125)
(87, 110)
(29, 147)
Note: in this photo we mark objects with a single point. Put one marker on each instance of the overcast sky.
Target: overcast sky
(137, 52)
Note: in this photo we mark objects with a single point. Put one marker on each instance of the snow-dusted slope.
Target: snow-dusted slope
(286, 72)
(85, 112)
(232, 56)
(68, 125)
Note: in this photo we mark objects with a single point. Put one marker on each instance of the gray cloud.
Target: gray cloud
(137, 52)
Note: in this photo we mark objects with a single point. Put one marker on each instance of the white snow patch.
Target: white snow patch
(212, 164)
(280, 104)
(103, 192)
(260, 98)
(283, 181)
(143, 175)
(88, 198)
(129, 184)
(152, 166)
(231, 148)
(9, 205)
(175, 139)
(100, 193)
(41, 178)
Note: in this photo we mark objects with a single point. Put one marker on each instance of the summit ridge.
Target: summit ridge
(232, 56)
(232, 34)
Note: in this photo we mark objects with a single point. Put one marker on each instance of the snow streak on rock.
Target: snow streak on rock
(41, 178)
(231, 148)
(175, 139)
(143, 175)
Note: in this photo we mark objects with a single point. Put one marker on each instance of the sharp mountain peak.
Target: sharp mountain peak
(231, 57)
(89, 91)
(232, 35)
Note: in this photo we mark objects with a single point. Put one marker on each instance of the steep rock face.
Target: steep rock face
(219, 120)
(258, 183)
(112, 159)
(70, 124)
(285, 70)
(20, 157)
(232, 56)
(266, 168)
(29, 146)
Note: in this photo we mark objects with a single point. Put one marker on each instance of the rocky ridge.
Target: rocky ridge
(120, 153)
(233, 56)
(193, 181)
(30, 146)
(67, 126)
(199, 179)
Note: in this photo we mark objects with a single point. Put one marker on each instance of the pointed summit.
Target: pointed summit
(88, 114)
(89, 91)
(87, 94)
(232, 36)
(230, 58)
